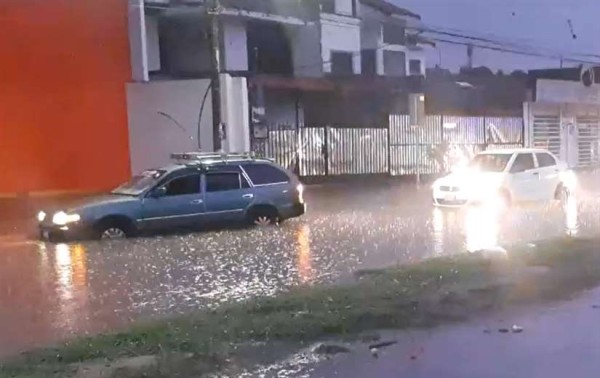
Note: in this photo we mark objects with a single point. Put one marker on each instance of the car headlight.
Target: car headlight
(61, 218)
(41, 216)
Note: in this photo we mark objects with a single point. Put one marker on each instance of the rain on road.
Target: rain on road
(51, 292)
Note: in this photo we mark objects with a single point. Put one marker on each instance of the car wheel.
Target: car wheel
(113, 229)
(113, 233)
(263, 216)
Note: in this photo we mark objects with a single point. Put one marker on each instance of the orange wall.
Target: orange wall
(63, 112)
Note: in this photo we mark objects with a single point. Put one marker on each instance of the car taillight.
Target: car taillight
(300, 190)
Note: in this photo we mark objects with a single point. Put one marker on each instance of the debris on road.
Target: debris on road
(516, 329)
(330, 349)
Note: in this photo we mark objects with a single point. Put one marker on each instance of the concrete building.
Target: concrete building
(564, 115)
(302, 62)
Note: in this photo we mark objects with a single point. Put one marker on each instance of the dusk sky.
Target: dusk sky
(541, 24)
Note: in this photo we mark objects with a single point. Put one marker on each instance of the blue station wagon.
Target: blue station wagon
(199, 189)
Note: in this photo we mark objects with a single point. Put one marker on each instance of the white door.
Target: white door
(549, 174)
(524, 178)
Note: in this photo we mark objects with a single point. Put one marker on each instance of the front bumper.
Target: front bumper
(449, 199)
(74, 231)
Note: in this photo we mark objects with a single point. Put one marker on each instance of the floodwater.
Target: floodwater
(51, 292)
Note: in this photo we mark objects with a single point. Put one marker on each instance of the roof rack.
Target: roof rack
(194, 158)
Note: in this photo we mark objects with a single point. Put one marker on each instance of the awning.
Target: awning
(290, 83)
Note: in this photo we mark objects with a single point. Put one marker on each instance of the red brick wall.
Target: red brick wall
(63, 112)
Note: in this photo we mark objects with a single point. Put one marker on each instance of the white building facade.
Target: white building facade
(310, 40)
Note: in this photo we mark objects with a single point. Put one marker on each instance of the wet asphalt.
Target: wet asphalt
(50, 292)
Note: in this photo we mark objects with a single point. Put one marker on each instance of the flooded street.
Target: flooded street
(50, 292)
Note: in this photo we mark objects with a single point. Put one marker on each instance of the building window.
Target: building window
(344, 7)
(328, 6)
(394, 63)
(394, 34)
(341, 63)
(414, 67)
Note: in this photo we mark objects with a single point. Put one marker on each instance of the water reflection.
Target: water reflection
(304, 260)
(482, 226)
(438, 231)
(70, 268)
(571, 216)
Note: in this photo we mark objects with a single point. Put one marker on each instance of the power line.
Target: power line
(516, 52)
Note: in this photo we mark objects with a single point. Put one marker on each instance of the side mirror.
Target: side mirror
(159, 192)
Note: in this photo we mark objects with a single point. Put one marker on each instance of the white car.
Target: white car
(508, 176)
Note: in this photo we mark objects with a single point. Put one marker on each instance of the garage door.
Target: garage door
(588, 141)
(546, 133)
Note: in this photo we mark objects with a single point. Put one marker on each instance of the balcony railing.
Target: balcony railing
(302, 9)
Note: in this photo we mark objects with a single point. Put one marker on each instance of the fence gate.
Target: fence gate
(547, 133)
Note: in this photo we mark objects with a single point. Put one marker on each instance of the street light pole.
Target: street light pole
(213, 12)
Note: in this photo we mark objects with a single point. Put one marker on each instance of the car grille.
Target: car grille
(451, 203)
(446, 188)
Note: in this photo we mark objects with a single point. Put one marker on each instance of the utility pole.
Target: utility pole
(213, 13)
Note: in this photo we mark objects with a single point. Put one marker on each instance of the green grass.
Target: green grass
(441, 289)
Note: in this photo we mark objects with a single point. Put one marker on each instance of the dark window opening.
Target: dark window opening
(369, 62)
(341, 63)
(221, 182)
(328, 6)
(414, 67)
(269, 50)
(394, 63)
(394, 34)
(184, 185)
(262, 174)
(523, 162)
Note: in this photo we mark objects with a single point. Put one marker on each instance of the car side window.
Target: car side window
(522, 163)
(264, 174)
(223, 181)
(189, 184)
(545, 160)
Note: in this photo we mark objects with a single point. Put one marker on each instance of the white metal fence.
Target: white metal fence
(398, 149)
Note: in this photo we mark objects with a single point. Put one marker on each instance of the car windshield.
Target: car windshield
(140, 183)
(490, 162)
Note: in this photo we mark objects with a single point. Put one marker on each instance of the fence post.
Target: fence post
(485, 140)
(389, 146)
(326, 149)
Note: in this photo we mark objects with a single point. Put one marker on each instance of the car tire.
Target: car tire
(561, 194)
(263, 216)
(113, 228)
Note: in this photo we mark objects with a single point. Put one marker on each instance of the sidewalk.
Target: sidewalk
(560, 340)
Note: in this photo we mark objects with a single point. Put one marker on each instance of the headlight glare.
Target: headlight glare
(61, 218)
(41, 216)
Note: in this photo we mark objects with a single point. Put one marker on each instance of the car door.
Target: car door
(177, 203)
(549, 174)
(524, 178)
(227, 195)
